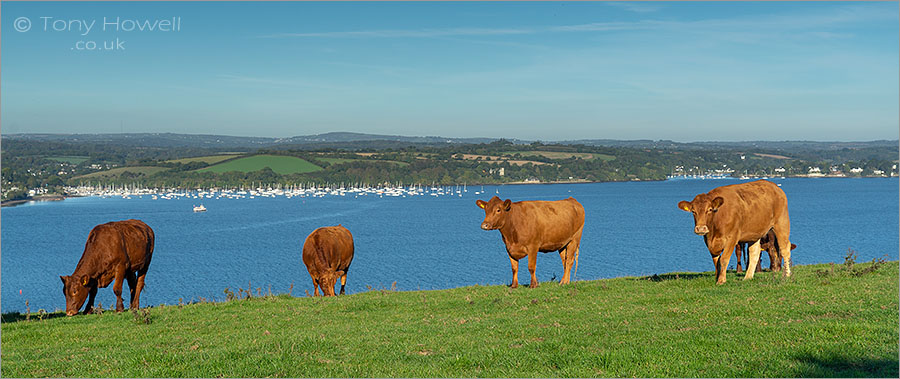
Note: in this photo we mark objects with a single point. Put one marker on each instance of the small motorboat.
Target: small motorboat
(199, 208)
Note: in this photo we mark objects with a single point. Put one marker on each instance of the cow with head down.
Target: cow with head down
(529, 227)
(327, 253)
(115, 251)
(741, 213)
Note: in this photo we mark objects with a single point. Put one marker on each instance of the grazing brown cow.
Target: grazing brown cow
(738, 213)
(766, 244)
(528, 227)
(114, 251)
(327, 253)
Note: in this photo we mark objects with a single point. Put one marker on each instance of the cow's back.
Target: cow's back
(328, 249)
(128, 242)
(548, 224)
(749, 209)
(139, 242)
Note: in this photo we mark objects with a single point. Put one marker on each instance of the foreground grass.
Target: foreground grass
(681, 325)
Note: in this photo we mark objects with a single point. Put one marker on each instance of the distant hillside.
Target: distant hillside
(354, 141)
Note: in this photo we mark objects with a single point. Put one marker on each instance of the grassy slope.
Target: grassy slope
(840, 325)
(210, 159)
(279, 163)
(73, 159)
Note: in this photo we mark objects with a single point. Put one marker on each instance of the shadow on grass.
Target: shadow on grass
(835, 365)
(672, 276)
(16, 316)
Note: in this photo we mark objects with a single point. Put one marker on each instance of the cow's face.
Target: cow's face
(703, 207)
(76, 292)
(327, 282)
(495, 211)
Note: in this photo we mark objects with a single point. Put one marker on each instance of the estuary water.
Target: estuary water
(419, 242)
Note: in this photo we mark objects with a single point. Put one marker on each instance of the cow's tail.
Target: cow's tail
(576, 263)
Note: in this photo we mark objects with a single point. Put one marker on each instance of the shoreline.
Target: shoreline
(12, 203)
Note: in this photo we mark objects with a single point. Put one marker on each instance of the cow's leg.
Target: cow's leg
(715, 258)
(117, 288)
(532, 266)
(566, 261)
(343, 281)
(738, 250)
(316, 287)
(723, 262)
(92, 293)
(132, 286)
(139, 287)
(753, 262)
(514, 263)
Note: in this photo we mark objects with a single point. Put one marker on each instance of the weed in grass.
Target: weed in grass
(291, 290)
(849, 259)
(141, 316)
(27, 311)
(229, 294)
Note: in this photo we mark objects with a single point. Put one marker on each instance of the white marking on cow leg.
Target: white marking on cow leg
(753, 261)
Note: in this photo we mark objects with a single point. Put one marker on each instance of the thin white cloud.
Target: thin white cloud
(770, 23)
(635, 6)
(413, 33)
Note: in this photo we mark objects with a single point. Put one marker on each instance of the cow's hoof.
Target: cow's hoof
(514, 285)
(533, 285)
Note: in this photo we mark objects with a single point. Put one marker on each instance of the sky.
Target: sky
(692, 71)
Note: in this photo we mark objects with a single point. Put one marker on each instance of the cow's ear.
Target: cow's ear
(507, 204)
(63, 278)
(339, 273)
(480, 203)
(684, 205)
(84, 280)
(717, 202)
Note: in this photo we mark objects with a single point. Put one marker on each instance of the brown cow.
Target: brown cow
(528, 227)
(327, 253)
(114, 251)
(766, 244)
(729, 215)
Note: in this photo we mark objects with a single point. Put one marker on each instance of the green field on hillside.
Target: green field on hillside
(73, 159)
(561, 155)
(281, 164)
(118, 171)
(822, 322)
(210, 159)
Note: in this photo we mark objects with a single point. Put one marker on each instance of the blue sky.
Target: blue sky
(549, 71)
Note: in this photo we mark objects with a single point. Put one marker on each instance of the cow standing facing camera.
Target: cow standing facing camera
(741, 213)
(529, 227)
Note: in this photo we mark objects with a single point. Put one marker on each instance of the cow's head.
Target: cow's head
(703, 207)
(495, 211)
(327, 281)
(76, 291)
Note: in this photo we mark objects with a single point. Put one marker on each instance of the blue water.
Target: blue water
(421, 242)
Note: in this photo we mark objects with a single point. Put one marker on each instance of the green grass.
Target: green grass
(209, 159)
(115, 172)
(73, 159)
(281, 164)
(561, 155)
(663, 326)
